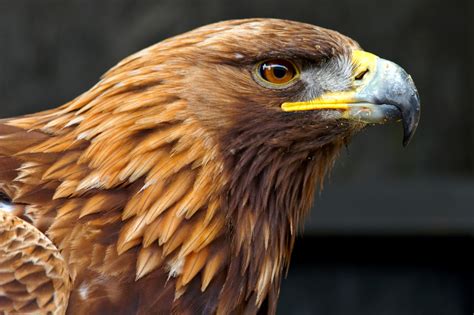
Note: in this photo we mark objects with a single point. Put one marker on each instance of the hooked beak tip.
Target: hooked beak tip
(410, 113)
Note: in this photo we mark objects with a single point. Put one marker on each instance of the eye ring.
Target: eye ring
(276, 73)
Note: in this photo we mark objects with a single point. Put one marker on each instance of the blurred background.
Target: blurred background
(392, 231)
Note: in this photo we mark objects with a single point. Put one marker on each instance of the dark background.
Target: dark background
(392, 231)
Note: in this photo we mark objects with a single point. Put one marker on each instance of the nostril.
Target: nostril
(361, 74)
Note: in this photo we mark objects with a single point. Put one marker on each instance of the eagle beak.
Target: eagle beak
(381, 92)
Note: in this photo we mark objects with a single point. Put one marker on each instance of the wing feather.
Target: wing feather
(34, 276)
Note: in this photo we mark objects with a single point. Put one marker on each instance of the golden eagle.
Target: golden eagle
(177, 183)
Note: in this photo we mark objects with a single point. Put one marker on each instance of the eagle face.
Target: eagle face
(279, 71)
(177, 183)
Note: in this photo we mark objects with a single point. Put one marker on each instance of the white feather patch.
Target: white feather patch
(176, 267)
(84, 290)
(6, 207)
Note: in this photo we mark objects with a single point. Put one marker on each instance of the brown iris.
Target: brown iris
(277, 71)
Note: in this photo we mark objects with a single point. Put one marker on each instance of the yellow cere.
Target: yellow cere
(363, 62)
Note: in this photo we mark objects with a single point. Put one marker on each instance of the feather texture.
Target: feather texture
(171, 186)
(33, 275)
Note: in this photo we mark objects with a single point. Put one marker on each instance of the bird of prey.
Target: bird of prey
(176, 184)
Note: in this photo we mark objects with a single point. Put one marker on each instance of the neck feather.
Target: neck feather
(275, 167)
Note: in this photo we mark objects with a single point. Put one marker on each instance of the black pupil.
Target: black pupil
(279, 71)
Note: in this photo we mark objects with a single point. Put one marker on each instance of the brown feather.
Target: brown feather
(173, 186)
(148, 260)
(33, 275)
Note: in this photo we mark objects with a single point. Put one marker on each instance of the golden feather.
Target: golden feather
(175, 185)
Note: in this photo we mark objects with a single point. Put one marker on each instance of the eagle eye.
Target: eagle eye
(277, 72)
